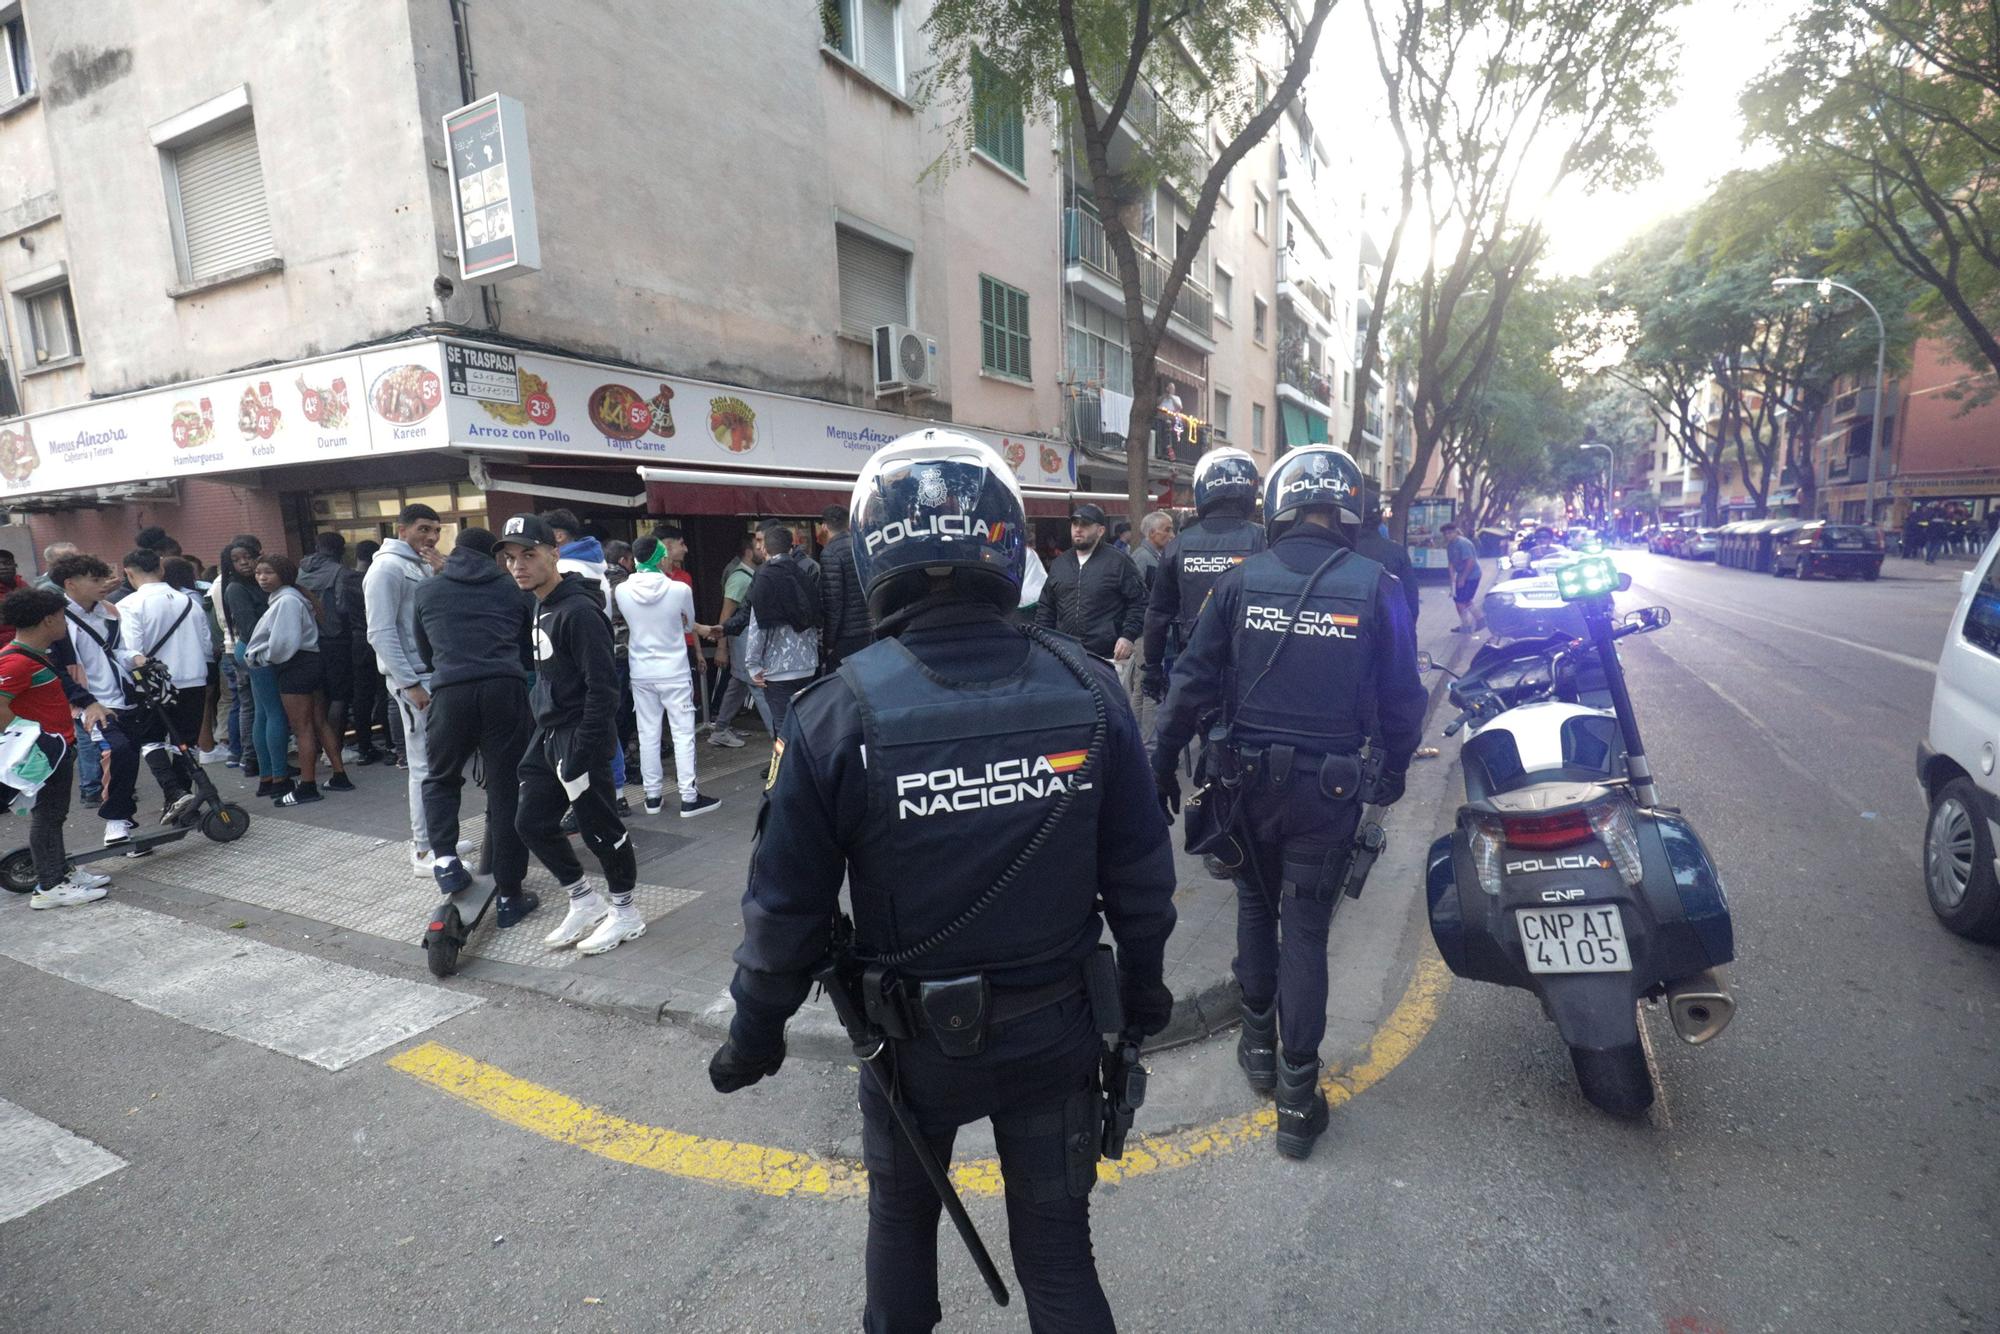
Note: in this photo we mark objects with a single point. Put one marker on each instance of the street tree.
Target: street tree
(1503, 444)
(1497, 106)
(1160, 73)
(1892, 107)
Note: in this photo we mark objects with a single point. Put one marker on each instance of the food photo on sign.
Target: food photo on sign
(406, 394)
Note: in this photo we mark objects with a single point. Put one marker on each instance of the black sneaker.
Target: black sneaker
(701, 805)
(569, 825)
(340, 783)
(364, 758)
(624, 804)
(516, 908)
(452, 877)
(300, 794)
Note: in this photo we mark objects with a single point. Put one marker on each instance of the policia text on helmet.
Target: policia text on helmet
(981, 787)
(1301, 664)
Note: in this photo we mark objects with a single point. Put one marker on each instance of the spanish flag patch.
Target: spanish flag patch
(1065, 761)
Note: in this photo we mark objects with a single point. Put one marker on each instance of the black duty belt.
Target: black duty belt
(1338, 775)
(957, 1013)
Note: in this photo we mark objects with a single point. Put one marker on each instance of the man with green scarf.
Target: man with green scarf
(659, 615)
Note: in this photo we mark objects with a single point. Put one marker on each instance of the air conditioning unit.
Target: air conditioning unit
(905, 360)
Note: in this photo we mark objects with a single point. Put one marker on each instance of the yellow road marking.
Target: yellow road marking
(770, 1171)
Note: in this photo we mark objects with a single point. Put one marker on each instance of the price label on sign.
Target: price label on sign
(541, 409)
(266, 423)
(638, 416)
(180, 435)
(312, 405)
(431, 390)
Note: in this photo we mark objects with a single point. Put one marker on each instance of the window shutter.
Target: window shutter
(874, 283)
(878, 42)
(223, 214)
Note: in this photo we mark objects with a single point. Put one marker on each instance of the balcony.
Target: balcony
(1297, 284)
(1861, 403)
(1085, 244)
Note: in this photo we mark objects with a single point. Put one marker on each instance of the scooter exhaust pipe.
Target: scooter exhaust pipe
(1700, 1006)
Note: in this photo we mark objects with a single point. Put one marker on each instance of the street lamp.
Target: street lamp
(1826, 286)
(1610, 463)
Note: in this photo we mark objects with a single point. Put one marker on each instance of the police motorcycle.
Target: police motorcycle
(1565, 876)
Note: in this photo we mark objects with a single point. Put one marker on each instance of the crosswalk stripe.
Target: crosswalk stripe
(322, 1012)
(40, 1161)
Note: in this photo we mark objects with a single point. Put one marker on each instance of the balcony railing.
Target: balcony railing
(1292, 270)
(1314, 384)
(1086, 244)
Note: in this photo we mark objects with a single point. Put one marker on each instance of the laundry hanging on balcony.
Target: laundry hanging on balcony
(1116, 412)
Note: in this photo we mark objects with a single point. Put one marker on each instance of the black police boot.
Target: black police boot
(1257, 1047)
(1302, 1113)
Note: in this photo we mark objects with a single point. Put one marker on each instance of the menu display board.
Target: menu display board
(493, 192)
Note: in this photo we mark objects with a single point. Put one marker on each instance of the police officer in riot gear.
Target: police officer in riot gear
(1221, 537)
(1294, 646)
(982, 787)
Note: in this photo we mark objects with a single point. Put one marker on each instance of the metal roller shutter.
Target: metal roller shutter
(874, 283)
(878, 42)
(224, 221)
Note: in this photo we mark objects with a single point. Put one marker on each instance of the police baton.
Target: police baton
(871, 1049)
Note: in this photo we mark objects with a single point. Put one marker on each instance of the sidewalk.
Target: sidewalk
(340, 870)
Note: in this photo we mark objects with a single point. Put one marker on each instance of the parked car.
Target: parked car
(1836, 549)
(1955, 762)
(1698, 544)
(1661, 541)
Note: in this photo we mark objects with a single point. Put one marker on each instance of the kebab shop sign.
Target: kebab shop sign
(581, 407)
(383, 401)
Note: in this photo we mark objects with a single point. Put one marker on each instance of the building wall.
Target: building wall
(1940, 433)
(206, 515)
(342, 154)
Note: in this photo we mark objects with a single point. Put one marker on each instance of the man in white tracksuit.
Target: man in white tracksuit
(659, 614)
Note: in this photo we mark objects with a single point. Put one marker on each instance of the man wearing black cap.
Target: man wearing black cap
(568, 760)
(1095, 594)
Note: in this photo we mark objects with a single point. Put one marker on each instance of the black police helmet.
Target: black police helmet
(937, 502)
(1224, 474)
(1312, 476)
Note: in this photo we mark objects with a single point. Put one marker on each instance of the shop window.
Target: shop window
(1003, 329)
(470, 497)
(868, 35)
(385, 502)
(438, 497)
(997, 119)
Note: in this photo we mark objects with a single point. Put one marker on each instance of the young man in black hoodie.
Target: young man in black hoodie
(568, 761)
(475, 631)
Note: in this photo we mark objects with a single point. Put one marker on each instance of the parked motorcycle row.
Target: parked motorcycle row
(1565, 874)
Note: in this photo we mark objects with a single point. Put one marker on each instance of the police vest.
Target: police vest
(1209, 549)
(961, 777)
(1312, 694)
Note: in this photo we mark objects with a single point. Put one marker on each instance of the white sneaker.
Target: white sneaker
(220, 755)
(87, 878)
(584, 914)
(727, 736)
(622, 925)
(117, 831)
(69, 894)
(422, 864)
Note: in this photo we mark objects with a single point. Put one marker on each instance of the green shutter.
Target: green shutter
(1003, 329)
(997, 118)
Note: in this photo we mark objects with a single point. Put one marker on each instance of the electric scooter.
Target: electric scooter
(458, 915)
(220, 821)
(1565, 875)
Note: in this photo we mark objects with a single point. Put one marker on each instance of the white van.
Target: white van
(1955, 763)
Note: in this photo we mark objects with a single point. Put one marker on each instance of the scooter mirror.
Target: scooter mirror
(1649, 618)
(1624, 581)
(1424, 663)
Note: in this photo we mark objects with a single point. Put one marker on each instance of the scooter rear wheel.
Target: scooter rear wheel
(226, 824)
(1616, 1080)
(17, 872)
(441, 943)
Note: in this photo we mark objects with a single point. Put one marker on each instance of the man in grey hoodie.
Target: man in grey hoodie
(390, 587)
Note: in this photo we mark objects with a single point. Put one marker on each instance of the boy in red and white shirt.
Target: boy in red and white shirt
(31, 689)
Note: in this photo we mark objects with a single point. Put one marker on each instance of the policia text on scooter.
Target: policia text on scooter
(967, 986)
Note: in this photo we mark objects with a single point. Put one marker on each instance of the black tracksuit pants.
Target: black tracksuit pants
(539, 819)
(489, 719)
(45, 823)
(1036, 1080)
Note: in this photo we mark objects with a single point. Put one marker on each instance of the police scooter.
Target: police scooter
(1565, 875)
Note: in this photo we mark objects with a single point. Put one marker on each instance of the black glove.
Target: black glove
(729, 1070)
(1148, 1005)
(1387, 789)
(1167, 782)
(1153, 681)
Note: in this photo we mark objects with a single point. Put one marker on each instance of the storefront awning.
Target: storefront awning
(699, 491)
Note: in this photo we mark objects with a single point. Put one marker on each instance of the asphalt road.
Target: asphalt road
(1829, 1164)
